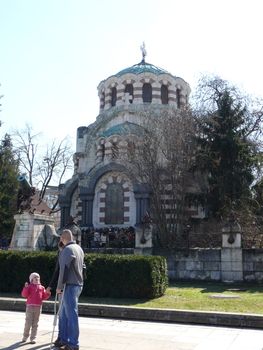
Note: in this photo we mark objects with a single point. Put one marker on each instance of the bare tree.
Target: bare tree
(53, 166)
(42, 167)
(162, 160)
(26, 147)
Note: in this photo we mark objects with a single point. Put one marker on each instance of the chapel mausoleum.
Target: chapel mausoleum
(102, 192)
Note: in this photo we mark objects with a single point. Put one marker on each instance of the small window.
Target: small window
(129, 89)
(164, 94)
(178, 98)
(103, 151)
(131, 149)
(115, 150)
(113, 96)
(147, 93)
(102, 100)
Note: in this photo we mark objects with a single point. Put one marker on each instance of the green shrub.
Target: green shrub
(16, 267)
(125, 276)
(119, 276)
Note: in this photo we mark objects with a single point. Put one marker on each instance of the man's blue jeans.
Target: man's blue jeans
(68, 317)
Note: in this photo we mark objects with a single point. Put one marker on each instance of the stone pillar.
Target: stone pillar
(87, 207)
(65, 214)
(231, 253)
(33, 232)
(87, 212)
(143, 240)
(142, 206)
(143, 236)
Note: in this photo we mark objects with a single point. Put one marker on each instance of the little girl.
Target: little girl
(35, 294)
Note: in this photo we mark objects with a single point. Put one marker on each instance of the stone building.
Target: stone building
(102, 192)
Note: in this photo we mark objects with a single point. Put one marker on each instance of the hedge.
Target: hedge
(116, 276)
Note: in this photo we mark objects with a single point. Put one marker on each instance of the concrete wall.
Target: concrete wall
(253, 265)
(206, 264)
(193, 264)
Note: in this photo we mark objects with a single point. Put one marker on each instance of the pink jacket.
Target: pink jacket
(35, 294)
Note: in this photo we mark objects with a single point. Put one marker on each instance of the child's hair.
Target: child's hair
(32, 275)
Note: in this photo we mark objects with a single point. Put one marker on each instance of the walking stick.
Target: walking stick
(56, 314)
(54, 320)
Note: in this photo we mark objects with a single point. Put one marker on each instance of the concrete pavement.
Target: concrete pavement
(113, 334)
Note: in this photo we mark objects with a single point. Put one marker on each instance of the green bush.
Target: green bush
(125, 276)
(16, 267)
(119, 276)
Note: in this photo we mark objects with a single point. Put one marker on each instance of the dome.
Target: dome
(142, 84)
(122, 129)
(142, 67)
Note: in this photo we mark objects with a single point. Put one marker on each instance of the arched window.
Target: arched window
(178, 98)
(113, 96)
(102, 146)
(129, 89)
(102, 100)
(147, 92)
(114, 211)
(114, 150)
(164, 94)
(131, 148)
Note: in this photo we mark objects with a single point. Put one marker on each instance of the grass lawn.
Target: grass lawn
(206, 296)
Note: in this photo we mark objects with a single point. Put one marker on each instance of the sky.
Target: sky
(54, 53)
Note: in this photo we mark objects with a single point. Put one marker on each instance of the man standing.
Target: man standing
(70, 281)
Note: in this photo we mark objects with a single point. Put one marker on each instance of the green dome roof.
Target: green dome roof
(142, 67)
(122, 129)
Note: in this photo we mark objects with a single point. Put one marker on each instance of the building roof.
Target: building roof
(122, 129)
(142, 67)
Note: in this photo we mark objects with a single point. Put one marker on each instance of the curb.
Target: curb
(208, 318)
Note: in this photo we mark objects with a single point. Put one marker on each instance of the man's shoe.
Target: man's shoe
(57, 343)
(68, 347)
(32, 341)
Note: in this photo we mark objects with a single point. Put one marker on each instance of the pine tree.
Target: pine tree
(226, 152)
(8, 187)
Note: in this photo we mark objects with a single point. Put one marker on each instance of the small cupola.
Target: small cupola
(142, 84)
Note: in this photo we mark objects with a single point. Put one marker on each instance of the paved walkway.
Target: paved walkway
(112, 334)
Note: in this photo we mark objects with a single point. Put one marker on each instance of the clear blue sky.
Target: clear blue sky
(54, 53)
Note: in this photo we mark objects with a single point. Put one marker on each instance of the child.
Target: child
(35, 294)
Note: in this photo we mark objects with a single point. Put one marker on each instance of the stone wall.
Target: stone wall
(253, 265)
(193, 264)
(206, 264)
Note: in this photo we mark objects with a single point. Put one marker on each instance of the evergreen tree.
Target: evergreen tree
(227, 153)
(8, 187)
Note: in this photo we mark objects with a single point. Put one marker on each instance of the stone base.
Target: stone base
(231, 265)
(143, 251)
(143, 239)
(33, 232)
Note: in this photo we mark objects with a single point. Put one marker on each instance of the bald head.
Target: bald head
(66, 237)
